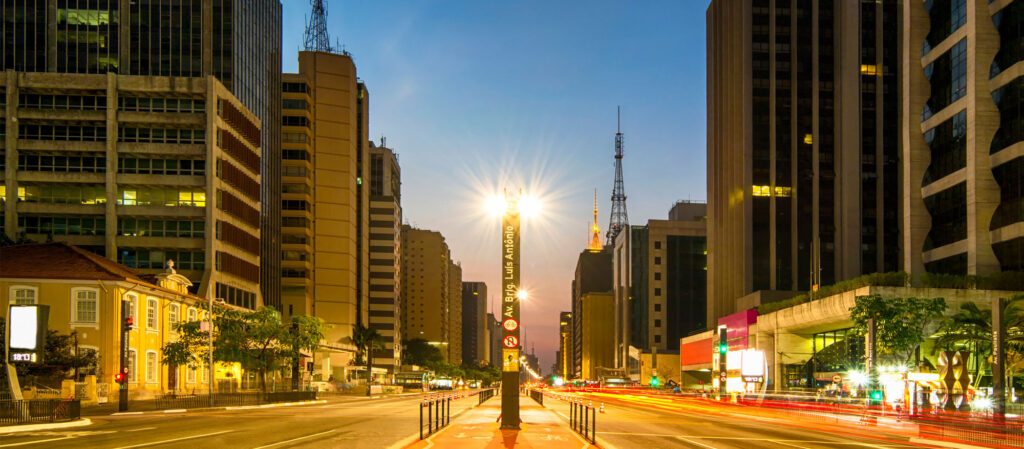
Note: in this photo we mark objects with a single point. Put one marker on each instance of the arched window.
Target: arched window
(23, 295)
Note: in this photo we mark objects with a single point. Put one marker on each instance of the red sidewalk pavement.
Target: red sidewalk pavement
(478, 428)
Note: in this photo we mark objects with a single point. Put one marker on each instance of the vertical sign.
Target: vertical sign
(510, 313)
(998, 359)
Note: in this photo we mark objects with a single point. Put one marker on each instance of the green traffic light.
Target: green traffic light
(723, 349)
(876, 395)
(654, 382)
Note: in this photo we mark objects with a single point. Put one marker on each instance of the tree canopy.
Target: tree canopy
(900, 323)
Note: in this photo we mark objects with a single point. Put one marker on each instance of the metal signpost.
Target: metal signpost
(510, 313)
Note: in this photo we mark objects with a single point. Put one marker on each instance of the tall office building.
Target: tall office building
(660, 282)
(564, 344)
(140, 169)
(803, 145)
(325, 210)
(474, 324)
(385, 254)
(455, 314)
(962, 133)
(494, 340)
(593, 315)
(427, 287)
(237, 41)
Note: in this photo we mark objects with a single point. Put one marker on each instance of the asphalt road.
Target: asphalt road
(628, 426)
(350, 423)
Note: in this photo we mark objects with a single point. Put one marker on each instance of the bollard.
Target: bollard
(602, 407)
(430, 417)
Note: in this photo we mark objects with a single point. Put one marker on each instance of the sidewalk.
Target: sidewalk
(478, 428)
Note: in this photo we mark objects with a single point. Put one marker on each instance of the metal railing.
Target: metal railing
(35, 411)
(583, 419)
(537, 396)
(484, 395)
(438, 413)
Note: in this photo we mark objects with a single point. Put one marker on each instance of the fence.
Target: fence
(485, 395)
(583, 419)
(438, 413)
(35, 411)
(229, 399)
(537, 396)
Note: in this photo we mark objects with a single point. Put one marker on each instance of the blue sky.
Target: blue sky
(477, 95)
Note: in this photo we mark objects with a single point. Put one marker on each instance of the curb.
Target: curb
(942, 443)
(211, 409)
(31, 427)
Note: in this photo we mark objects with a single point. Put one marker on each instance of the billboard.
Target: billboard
(28, 328)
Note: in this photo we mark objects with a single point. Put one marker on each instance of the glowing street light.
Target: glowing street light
(511, 294)
(522, 295)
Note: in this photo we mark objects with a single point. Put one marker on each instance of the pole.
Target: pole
(510, 313)
(209, 370)
(122, 390)
(998, 360)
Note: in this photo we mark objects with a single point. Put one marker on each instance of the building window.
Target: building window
(948, 77)
(657, 292)
(657, 245)
(133, 301)
(172, 315)
(190, 375)
(23, 295)
(657, 276)
(132, 358)
(85, 305)
(657, 261)
(151, 315)
(657, 323)
(152, 373)
(657, 307)
(948, 144)
(657, 338)
(192, 314)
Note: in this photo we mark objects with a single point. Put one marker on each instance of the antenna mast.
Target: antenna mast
(619, 218)
(316, 35)
(595, 239)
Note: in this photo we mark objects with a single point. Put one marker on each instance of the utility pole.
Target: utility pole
(998, 360)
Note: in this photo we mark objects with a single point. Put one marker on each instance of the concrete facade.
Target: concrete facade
(961, 133)
(802, 145)
(593, 314)
(564, 361)
(427, 286)
(139, 169)
(385, 255)
(325, 215)
(454, 314)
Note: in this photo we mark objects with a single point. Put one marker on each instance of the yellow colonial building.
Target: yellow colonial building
(85, 291)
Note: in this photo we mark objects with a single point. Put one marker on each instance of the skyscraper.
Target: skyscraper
(240, 44)
(385, 255)
(427, 305)
(962, 133)
(474, 325)
(803, 145)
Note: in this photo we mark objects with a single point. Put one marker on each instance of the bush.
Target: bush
(891, 279)
(1007, 280)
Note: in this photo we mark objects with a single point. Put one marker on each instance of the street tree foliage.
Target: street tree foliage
(59, 361)
(418, 352)
(900, 323)
(366, 340)
(971, 329)
(190, 349)
(258, 340)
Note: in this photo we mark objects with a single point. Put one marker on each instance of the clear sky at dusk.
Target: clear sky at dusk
(478, 95)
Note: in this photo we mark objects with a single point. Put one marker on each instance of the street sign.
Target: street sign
(511, 341)
(837, 378)
(510, 324)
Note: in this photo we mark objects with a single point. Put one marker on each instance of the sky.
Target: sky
(476, 96)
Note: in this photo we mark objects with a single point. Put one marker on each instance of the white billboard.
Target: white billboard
(25, 327)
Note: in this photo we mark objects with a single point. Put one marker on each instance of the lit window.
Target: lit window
(762, 190)
(808, 139)
(131, 366)
(783, 191)
(172, 315)
(23, 295)
(133, 301)
(151, 367)
(129, 197)
(190, 375)
(868, 69)
(86, 304)
(151, 314)
(192, 314)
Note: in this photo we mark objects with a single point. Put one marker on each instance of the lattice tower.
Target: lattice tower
(619, 218)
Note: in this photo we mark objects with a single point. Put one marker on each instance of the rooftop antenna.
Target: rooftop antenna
(316, 36)
(619, 218)
(595, 240)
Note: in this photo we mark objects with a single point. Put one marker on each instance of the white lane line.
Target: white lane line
(295, 439)
(694, 442)
(140, 429)
(787, 444)
(125, 413)
(154, 443)
(175, 410)
(26, 443)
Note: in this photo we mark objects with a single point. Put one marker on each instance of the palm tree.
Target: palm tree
(972, 327)
(366, 340)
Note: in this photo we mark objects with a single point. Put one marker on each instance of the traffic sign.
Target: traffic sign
(837, 378)
(510, 324)
(511, 341)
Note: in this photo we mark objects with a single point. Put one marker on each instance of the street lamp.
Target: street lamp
(512, 207)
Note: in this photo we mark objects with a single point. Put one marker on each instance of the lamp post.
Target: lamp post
(511, 294)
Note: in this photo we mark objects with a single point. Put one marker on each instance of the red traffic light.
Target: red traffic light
(119, 378)
(129, 321)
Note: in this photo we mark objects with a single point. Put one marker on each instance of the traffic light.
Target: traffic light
(128, 324)
(120, 378)
(654, 381)
(876, 395)
(723, 341)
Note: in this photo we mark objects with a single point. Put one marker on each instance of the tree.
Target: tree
(60, 359)
(366, 340)
(190, 349)
(260, 341)
(900, 323)
(971, 327)
(418, 352)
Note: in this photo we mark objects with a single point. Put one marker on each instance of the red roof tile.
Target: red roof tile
(59, 260)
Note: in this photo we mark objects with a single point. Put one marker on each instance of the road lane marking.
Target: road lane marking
(125, 413)
(140, 429)
(295, 439)
(26, 443)
(175, 410)
(694, 442)
(787, 444)
(190, 437)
